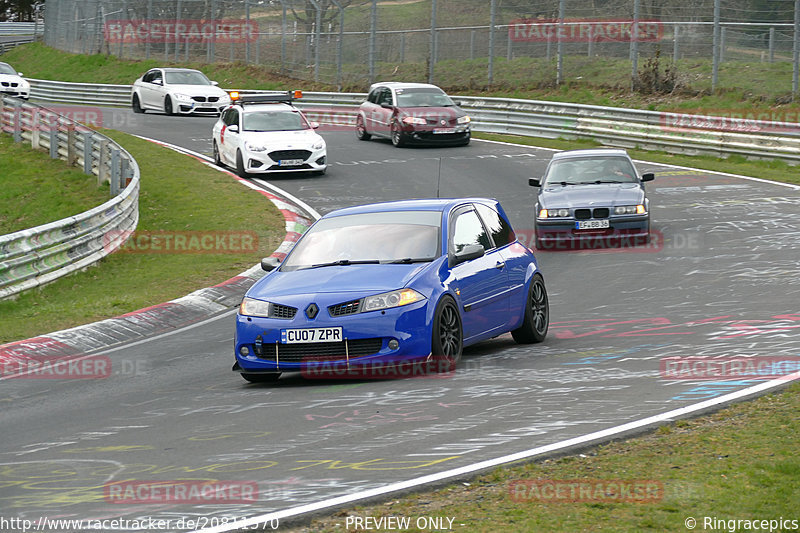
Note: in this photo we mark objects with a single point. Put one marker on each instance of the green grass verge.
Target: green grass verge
(189, 197)
(754, 87)
(35, 189)
(768, 170)
(739, 463)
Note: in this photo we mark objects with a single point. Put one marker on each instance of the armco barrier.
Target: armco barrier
(612, 126)
(36, 256)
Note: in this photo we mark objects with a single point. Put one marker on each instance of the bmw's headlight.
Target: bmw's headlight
(414, 120)
(181, 96)
(319, 145)
(391, 299)
(254, 147)
(629, 210)
(252, 307)
(463, 120)
(554, 213)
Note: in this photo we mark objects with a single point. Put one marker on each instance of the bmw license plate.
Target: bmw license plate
(591, 224)
(309, 335)
(444, 130)
(290, 162)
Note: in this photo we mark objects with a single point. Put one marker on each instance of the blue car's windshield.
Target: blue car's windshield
(388, 237)
(590, 170)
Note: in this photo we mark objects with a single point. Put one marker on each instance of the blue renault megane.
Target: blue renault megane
(389, 284)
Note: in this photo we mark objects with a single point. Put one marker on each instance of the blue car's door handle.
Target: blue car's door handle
(500, 265)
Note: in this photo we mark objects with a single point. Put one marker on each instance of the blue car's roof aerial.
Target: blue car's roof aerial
(430, 204)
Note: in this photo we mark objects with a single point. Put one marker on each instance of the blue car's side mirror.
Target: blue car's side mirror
(468, 253)
(269, 264)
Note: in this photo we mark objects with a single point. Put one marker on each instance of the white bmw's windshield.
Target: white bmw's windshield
(187, 78)
(5, 68)
(388, 237)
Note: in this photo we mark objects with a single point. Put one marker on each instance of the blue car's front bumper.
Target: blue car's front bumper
(366, 339)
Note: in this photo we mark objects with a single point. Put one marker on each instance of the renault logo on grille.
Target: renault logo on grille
(311, 311)
(443, 122)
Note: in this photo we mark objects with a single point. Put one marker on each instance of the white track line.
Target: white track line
(604, 434)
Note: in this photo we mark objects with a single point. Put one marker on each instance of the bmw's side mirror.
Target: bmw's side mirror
(648, 177)
(534, 182)
(214, 83)
(470, 252)
(268, 264)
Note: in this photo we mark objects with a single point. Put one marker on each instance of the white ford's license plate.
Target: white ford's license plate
(444, 130)
(290, 162)
(591, 224)
(307, 335)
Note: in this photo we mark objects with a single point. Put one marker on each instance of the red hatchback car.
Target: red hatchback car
(408, 113)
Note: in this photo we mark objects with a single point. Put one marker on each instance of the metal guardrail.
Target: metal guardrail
(628, 128)
(21, 28)
(8, 44)
(36, 256)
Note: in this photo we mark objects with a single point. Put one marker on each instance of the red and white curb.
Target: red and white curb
(168, 316)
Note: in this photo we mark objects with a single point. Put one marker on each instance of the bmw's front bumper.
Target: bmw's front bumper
(628, 230)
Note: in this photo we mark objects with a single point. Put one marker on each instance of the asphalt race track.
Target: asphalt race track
(721, 279)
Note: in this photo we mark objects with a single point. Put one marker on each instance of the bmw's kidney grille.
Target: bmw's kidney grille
(600, 212)
(346, 308)
(199, 98)
(9, 84)
(583, 214)
(321, 351)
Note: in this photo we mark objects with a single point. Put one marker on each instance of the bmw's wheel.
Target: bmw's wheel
(447, 341)
(240, 165)
(136, 105)
(168, 106)
(398, 139)
(217, 157)
(361, 129)
(261, 378)
(537, 314)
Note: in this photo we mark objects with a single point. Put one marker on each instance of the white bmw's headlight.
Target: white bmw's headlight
(181, 96)
(463, 120)
(388, 300)
(255, 147)
(319, 145)
(251, 307)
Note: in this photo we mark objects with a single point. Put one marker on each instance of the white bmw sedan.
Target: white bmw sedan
(12, 83)
(178, 91)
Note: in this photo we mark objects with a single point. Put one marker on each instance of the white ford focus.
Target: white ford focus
(265, 133)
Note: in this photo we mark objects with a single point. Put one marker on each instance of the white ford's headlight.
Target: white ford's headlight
(319, 145)
(463, 120)
(255, 147)
(387, 300)
(251, 307)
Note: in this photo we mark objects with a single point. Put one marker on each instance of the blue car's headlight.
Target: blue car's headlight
(387, 300)
(251, 307)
